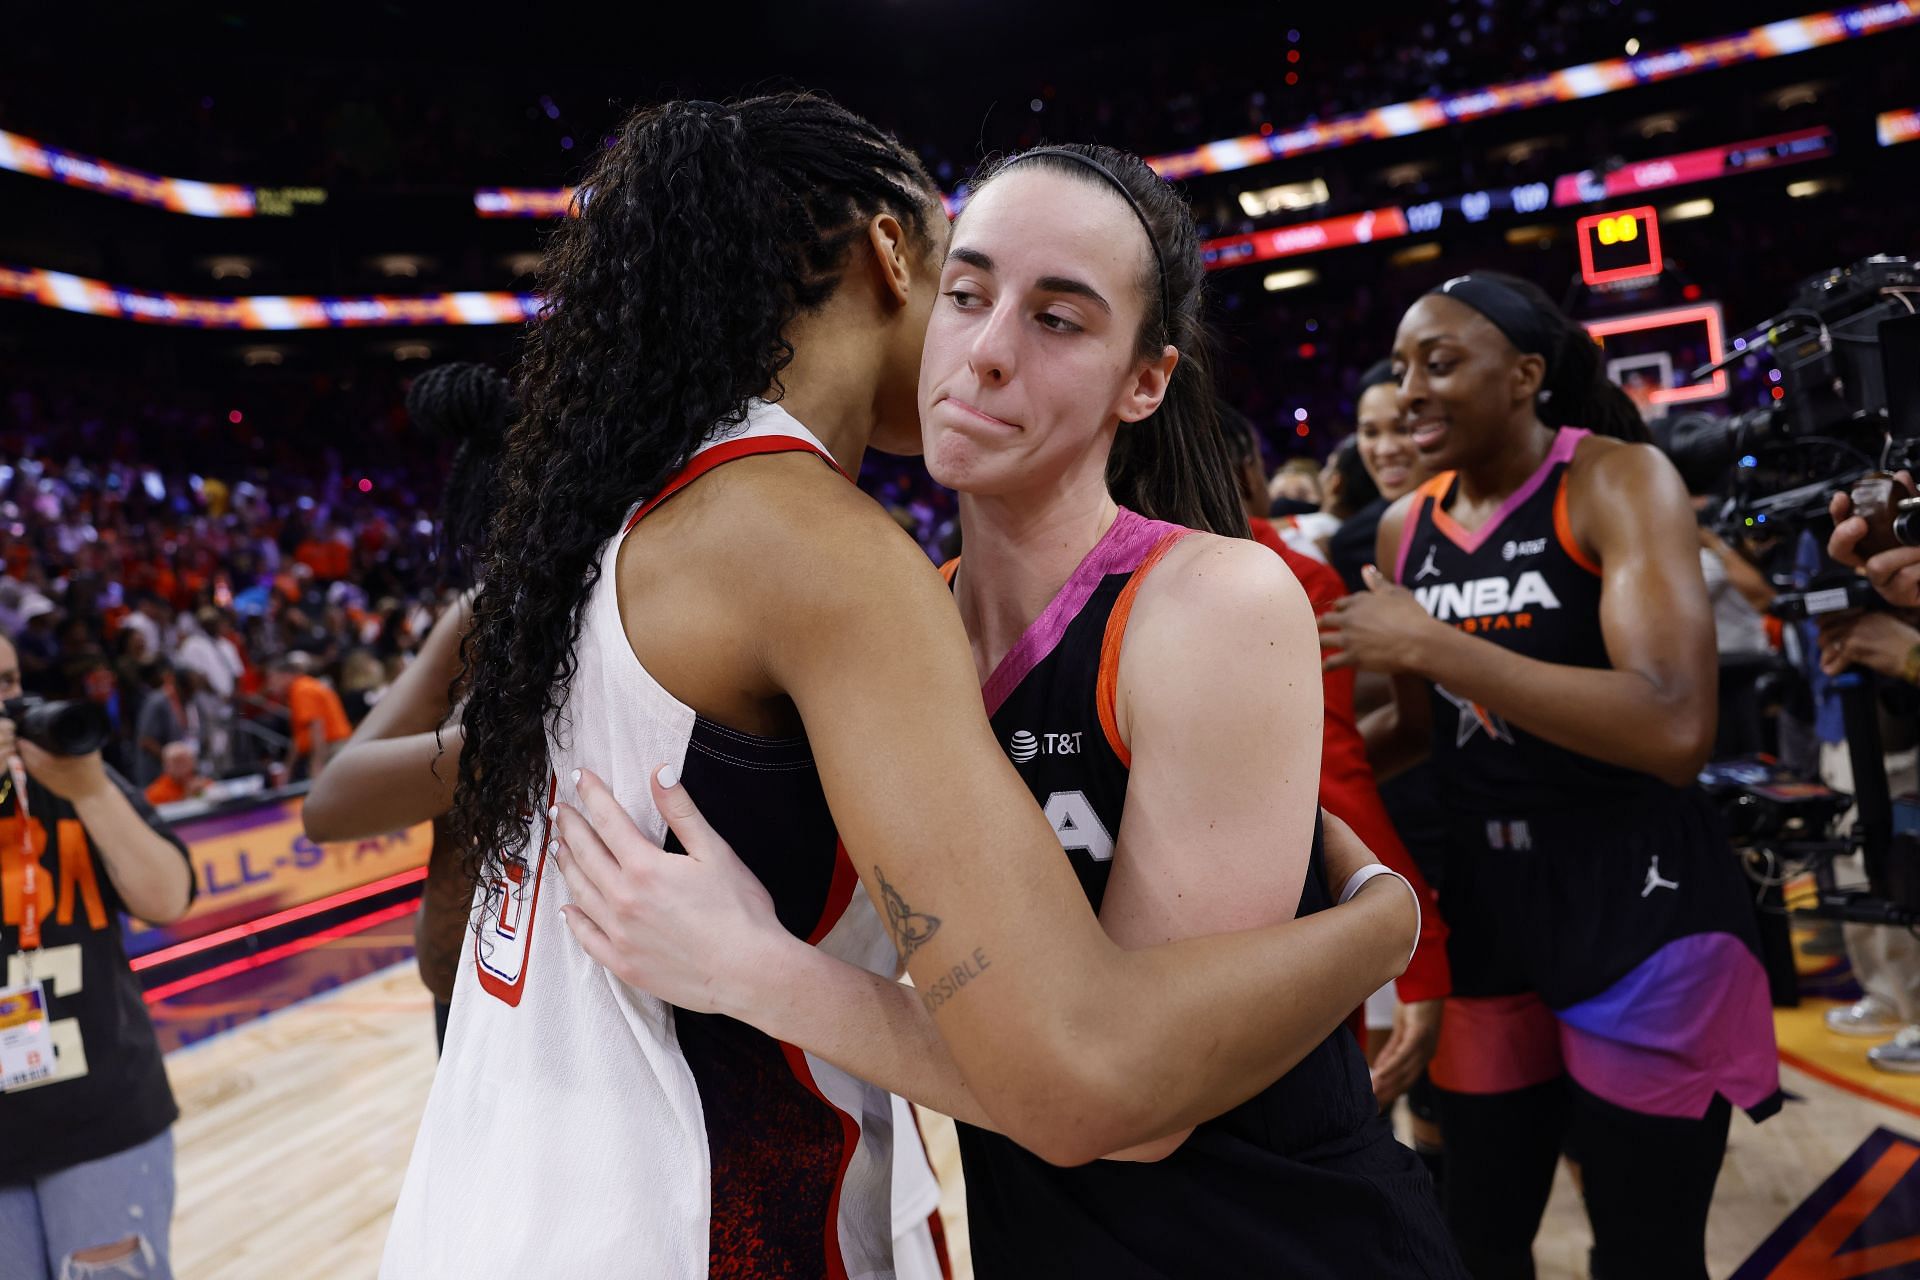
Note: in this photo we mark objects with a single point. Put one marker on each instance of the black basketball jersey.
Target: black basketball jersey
(1304, 1179)
(1522, 582)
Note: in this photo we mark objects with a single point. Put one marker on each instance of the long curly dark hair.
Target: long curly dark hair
(700, 235)
(1180, 463)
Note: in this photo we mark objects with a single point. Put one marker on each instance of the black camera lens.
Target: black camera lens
(63, 728)
(1906, 523)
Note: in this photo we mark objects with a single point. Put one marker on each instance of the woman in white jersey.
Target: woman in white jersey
(680, 571)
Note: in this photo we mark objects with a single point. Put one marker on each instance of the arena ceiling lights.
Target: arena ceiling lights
(263, 312)
(1590, 80)
(1288, 197)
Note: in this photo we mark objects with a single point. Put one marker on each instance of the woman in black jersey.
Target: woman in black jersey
(1553, 651)
(1156, 689)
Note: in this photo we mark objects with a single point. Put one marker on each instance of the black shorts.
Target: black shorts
(1564, 905)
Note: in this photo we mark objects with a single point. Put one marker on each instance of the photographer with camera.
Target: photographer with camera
(86, 1149)
(1886, 961)
(1894, 571)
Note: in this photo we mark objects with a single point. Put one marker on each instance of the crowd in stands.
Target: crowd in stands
(227, 593)
(200, 580)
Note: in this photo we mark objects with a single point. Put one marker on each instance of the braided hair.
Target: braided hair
(471, 405)
(701, 234)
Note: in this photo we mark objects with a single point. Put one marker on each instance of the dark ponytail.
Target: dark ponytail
(1357, 488)
(1181, 463)
(1576, 391)
(701, 234)
(472, 406)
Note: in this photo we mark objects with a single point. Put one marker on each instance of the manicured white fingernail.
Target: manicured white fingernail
(553, 811)
(576, 777)
(669, 776)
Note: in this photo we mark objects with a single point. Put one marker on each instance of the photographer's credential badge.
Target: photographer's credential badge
(26, 1040)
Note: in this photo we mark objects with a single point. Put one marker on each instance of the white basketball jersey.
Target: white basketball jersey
(579, 1127)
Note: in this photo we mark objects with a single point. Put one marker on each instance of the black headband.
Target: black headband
(1506, 308)
(1113, 180)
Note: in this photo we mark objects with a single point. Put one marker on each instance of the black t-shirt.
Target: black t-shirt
(1352, 546)
(109, 1092)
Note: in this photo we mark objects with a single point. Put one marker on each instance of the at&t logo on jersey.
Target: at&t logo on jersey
(1489, 604)
(1024, 746)
(1512, 550)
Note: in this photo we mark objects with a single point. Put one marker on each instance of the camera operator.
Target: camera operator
(86, 1149)
(1895, 574)
(1886, 961)
(1880, 642)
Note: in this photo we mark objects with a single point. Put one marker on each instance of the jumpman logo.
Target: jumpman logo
(1429, 567)
(1654, 879)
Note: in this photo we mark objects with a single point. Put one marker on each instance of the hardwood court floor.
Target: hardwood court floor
(295, 1132)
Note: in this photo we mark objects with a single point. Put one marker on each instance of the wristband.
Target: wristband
(1910, 669)
(1359, 879)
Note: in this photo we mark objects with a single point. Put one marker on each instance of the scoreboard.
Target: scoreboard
(1621, 245)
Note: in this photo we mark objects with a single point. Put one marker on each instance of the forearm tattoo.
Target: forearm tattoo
(910, 928)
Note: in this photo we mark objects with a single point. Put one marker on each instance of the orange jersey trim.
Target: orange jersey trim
(1107, 691)
(1563, 529)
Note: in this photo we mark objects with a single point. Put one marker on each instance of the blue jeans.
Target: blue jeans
(87, 1209)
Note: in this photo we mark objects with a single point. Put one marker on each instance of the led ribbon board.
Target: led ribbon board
(1477, 206)
(1622, 245)
(1588, 186)
(265, 312)
(1388, 223)
(201, 199)
(523, 202)
(1585, 187)
(1421, 115)
(1895, 127)
(1589, 80)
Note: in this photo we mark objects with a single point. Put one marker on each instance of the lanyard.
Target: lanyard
(30, 870)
